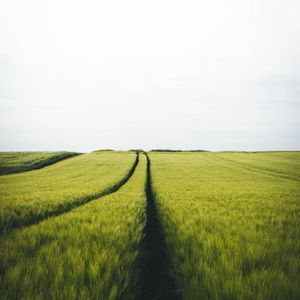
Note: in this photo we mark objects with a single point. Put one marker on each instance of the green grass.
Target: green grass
(232, 222)
(28, 197)
(278, 164)
(16, 162)
(91, 252)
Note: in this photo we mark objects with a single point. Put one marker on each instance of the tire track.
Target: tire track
(155, 280)
(46, 163)
(64, 208)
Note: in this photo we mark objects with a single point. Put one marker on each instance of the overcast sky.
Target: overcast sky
(183, 74)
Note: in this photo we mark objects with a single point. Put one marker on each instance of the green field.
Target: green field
(29, 197)
(16, 162)
(116, 225)
(232, 223)
(91, 252)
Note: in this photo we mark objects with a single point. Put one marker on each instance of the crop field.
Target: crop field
(29, 197)
(156, 225)
(16, 162)
(91, 252)
(232, 223)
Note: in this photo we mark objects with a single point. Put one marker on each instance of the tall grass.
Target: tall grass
(92, 252)
(16, 162)
(232, 232)
(31, 196)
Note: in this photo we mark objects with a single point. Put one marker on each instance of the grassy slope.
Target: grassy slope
(33, 195)
(233, 232)
(16, 162)
(91, 252)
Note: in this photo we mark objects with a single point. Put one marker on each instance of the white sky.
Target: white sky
(181, 74)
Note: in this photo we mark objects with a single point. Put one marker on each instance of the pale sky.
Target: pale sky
(181, 74)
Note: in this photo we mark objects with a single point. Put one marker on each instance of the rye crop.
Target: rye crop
(32, 196)
(231, 223)
(16, 162)
(91, 252)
